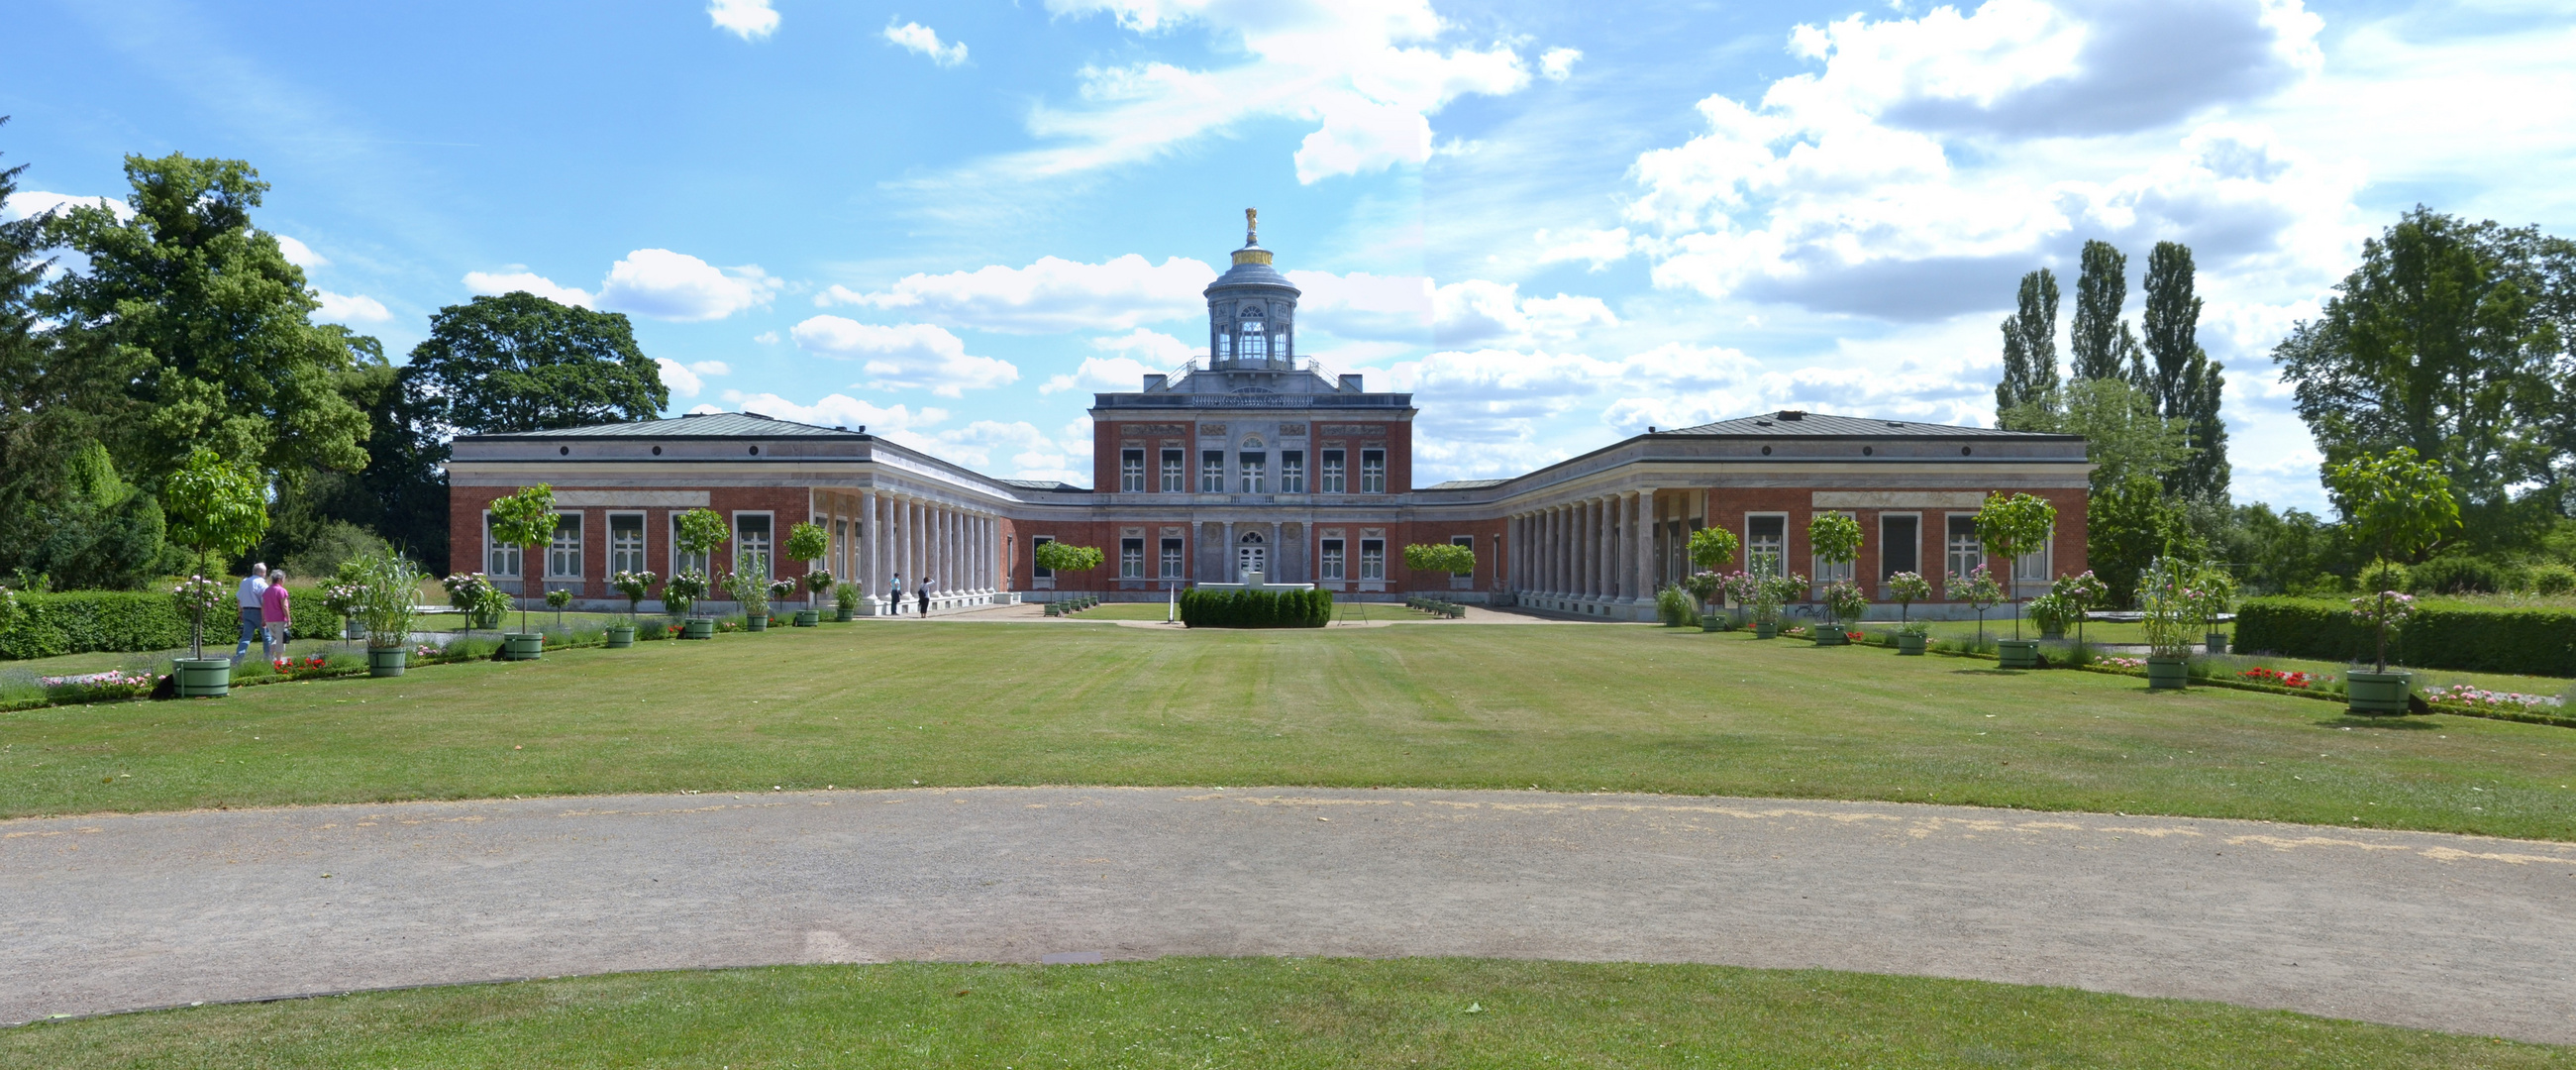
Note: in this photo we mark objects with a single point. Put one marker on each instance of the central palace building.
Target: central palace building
(1255, 464)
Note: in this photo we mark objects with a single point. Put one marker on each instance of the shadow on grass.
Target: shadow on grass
(2396, 721)
(1992, 672)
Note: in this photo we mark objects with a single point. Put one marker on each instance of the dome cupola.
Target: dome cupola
(1252, 310)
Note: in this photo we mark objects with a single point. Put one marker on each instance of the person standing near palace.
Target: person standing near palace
(273, 612)
(894, 598)
(927, 584)
(247, 600)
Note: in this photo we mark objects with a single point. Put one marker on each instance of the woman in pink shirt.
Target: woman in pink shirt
(272, 610)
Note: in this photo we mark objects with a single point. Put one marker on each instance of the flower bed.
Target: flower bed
(107, 686)
(2277, 678)
(2478, 698)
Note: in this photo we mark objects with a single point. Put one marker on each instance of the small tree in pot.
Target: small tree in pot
(2176, 607)
(2009, 528)
(700, 532)
(1711, 549)
(1908, 588)
(526, 519)
(749, 589)
(213, 507)
(845, 600)
(2400, 506)
(634, 585)
(1845, 601)
(808, 542)
(684, 592)
(557, 599)
(1978, 588)
(2080, 593)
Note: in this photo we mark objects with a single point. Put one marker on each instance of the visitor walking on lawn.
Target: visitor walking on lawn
(894, 598)
(273, 612)
(926, 584)
(253, 587)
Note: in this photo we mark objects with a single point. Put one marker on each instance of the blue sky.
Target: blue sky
(1557, 224)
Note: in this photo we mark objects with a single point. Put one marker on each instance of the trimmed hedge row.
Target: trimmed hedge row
(1256, 609)
(81, 622)
(2535, 642)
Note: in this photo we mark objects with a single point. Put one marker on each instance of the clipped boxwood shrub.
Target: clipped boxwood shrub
(1256, 609)
(79, 622)
(2462, 575)
(2442, 635)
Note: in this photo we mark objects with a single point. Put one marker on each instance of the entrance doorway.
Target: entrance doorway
(1251, 557)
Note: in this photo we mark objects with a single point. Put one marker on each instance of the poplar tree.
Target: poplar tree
(2101, 343)
(2030, 346)
(2184, 383)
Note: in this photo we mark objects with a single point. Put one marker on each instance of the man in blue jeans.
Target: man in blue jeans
(247, 598)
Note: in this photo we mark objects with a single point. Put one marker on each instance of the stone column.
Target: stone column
(1594, 519)
(1642, 506)
(1548, 558)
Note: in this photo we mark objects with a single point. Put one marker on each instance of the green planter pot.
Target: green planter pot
(2167, 674)
(2216, 641)
(2017, 653)
(1765, 631)
(807, 618)
(523, 646)
(386, 660)
(204, 677)
(1912, 645)
(1828, 636)
(1712, 623)
(621, 637)
(756, 623)
(698, 628)
(351, 629)
(484, 621)
(2378, 692)
(2052, 631)
(844, 615)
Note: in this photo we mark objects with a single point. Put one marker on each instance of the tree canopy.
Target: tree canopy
(2030, 346)
(519, 362)
(2101, 343)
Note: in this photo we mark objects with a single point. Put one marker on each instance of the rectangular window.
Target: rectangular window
(563, 554)
(1965, 552)
(1766, 542)
(1040, 571)
(1292, 471)
(1254, 465)
(1372, 471)
(1332, 556)
(1468, 541)
(1171, 559)
(1131, 471)
(1256, 342)
(751, 544)
(1827, 571)
(1211, 471)
(626, 543)
(841, 549)
(500, 560)
(1900, 545)
(2032, 567)
(1331, 483)
(1372, 559)
(1131, 559)
(682, 561)
(1175, 476)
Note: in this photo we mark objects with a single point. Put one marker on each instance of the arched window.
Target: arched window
(1256, 344)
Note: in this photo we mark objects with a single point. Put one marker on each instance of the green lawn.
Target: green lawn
(220, 640)
(1248, 1012)
(1573, 708)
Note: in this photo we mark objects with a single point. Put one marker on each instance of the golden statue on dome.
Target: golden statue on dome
(1252, 226)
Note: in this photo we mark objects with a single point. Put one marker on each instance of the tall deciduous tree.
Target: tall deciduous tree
(2030, 345)
(2442, 342)
(519, 362)
(2100, 342)
(211, 323)
(2123, 434)
(2187, 386)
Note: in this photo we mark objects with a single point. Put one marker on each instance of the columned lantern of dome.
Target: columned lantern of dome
(1252, 310)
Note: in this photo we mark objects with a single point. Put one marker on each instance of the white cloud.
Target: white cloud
(33, 202)
(767, 338)
(337, 308)
(904, 356)
(1476, 310)
(1360, 305)
(1601, 247)
(1014, 450)
(1557, 64)
(676, 286)
(1152, 346)
(1369, 75)
(487, 282)
(1159, 352)
(1048, 296)
(747, 19)
(835, 410)
(687, 380)
(915, 37)
(298, 253)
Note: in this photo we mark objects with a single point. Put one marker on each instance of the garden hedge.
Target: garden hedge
(1256, 609)
(81, 622)
(2443, 635)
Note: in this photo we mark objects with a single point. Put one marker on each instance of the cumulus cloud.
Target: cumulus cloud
(1159, 352)
(688, 380)
(338, 308)
(298, 253)
(1360, 305)
(904, 356)
(1557, 64)
(1465, 313)
(1048, 296)
(676, 286)
(1601, 248)
(915, 37)
(750, 20)
(836, 410)
(34, 202)
(1014, 450)
(1369, 76)
(496, 283)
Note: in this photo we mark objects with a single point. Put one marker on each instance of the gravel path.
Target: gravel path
(2447, 932)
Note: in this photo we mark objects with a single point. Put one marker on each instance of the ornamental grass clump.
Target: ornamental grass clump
(387, 610)
(2175, 597)
(845, 596)
(1678, 608)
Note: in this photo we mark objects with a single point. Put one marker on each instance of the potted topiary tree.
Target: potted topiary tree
(780, 589)
(2400, 506)
(2048, 613)
(557, 599)
(213, 507)
(1845, 603)
(634, 585)
(1698, 595)
(526, 519)
(1978, 588)
(683, 593)
(700, 532)
(1711, 549)
(808, 542)
(2383, 612)
(392, 584)
(1063, 557)
(1907, 588)
(1835, 538)
(752, 592)
(2009, 528)
(2080, 593)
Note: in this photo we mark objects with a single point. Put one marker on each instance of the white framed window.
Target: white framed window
(1900, 543)
(841, 549)
(1256, 341)
(500, 559)
(1175, 474)
(751, 544)
(682, 560)
(1828, 571)
(563, 552)
(1171, 559)
(626, 543)
(1131, 471)
(2032, 567)
(1332, 559)
(1372, 559)
(1036, 570)
(1131, 559)
(1212, 471)
(1766, 543)
(1332, 481)
(1292, 471)
(1372, 471)
(1254, 468)
(1965, 552)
